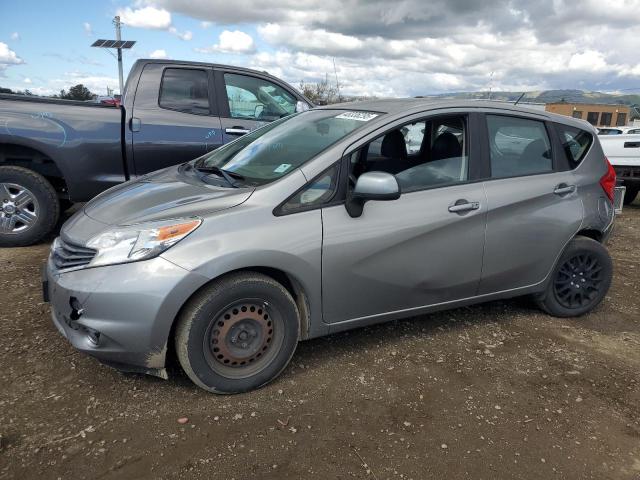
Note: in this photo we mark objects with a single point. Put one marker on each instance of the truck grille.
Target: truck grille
(68, 255)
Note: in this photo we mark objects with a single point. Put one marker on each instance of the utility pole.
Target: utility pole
(116, 22)
(335, 71)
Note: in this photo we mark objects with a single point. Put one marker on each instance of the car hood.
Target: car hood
(162, 195)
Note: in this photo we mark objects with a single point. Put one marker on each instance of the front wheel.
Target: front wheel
(580, 280)
(29, 208)
(238, 333)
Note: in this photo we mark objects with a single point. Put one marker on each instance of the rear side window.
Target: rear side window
(185, 90)
(518, 146)
(575, 143)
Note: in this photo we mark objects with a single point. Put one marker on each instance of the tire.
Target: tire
(630, 195)
(29, 208)
(585, 263)
(238, 333)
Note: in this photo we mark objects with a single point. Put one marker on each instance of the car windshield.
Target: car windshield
(273, 151)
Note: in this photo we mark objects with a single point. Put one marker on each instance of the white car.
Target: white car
(623, 151)
(632, 130)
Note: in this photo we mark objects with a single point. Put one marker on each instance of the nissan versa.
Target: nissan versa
(328, 220)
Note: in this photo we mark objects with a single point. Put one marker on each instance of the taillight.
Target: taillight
(608, 180)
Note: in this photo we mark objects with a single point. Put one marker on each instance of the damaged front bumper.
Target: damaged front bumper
(120, 314)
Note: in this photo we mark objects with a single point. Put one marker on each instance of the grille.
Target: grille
(68, 255)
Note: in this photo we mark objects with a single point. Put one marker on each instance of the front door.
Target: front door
(422, 249)
(249, 102)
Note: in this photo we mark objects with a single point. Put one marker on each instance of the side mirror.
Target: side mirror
(258, 111)
(372, 186)
(301, 106)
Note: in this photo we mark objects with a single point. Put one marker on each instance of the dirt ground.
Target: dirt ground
(493, 391)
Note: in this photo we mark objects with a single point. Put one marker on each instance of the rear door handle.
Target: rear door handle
(564, 189)
(236, 130)
(463, 206)
(135, 124)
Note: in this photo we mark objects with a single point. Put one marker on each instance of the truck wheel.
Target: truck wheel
(29, 207)
(630, 195)
(579, 281)
(238, 333)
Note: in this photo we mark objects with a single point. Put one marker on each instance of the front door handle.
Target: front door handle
(236, 130)
(564, 189)
(463, 206)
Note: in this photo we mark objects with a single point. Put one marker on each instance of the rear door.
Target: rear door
(248, 102)
(175, 116)
(533, 206)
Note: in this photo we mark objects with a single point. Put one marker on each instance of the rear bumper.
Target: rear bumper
(120, 314)
(630, 175)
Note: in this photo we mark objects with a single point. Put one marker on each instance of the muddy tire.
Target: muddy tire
(238, 333)
(579, 281)
(29, 208)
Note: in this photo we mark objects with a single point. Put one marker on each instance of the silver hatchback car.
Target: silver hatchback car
(328, 220)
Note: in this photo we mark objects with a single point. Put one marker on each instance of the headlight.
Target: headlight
(139, 242)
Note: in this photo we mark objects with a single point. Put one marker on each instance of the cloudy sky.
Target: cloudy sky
(383, 48)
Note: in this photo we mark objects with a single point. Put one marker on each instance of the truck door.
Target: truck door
(248, 102)
(174, 118)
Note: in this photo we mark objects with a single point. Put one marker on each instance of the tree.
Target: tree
(77, 92)
(5, 90)
(321, 93)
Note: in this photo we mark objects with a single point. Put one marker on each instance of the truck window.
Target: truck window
(185, 90)
(254, 98)
(575, 143)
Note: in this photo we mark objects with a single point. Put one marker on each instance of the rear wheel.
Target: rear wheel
(580, 280)
(237, 334)
(630, 195)
(29, 207)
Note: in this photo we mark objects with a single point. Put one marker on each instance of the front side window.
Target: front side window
(575, 143)
(635, 131)
(425, 154)
(185, 90)
(518, 146)
(278, 148)
(255, 98)
(317, 193)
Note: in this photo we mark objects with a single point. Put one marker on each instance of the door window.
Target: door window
(185, 90)
(254, 98)
(424, 154)
(518, 146)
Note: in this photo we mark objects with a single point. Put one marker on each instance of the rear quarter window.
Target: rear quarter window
(575, 143)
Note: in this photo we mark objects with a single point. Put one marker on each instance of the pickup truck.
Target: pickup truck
(623, 151)
(54, 152)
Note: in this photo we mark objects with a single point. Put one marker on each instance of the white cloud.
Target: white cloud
(186, 35)
(8, 57)
(160, 53)
(27, 80)
(87, 28)
(205, 24)
(146, 17)
(15, 36)
(235, 42)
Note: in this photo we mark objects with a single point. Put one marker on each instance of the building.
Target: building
(599, 115)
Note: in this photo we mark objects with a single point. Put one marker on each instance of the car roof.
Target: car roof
(206, 64)
(410, 105)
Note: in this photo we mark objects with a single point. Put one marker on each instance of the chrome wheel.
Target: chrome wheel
(579, 281)
(243, 337)
(18, 208)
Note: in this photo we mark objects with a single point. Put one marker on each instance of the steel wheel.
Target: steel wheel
(579, 281)
(18, 208)
(243, 337)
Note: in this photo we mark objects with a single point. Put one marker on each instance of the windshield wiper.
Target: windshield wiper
(228, 176)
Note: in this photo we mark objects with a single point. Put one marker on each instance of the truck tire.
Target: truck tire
(630, 195)
(29, 208)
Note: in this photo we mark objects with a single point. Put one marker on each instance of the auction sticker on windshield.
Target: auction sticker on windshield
(360, 116)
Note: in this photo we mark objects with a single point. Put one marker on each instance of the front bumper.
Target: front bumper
(120, 314)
